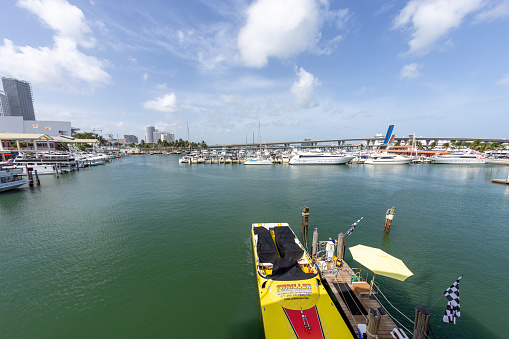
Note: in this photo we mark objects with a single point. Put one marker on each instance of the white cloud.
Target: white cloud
(63, 64)
(504, 81)
(161, 86)
(411, 71)
(303, 88)
(430, 20)
(162, 126)
(230, 98)
(145, 76)
(66, 19)
(278, 28)
(132, 59)
(496, 11)
(167, 103)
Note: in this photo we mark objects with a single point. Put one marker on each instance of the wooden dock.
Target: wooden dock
(340, 278)
(500, 181)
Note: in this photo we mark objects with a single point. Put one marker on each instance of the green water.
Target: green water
(145, 247)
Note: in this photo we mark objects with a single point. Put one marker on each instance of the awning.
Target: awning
(24, 136)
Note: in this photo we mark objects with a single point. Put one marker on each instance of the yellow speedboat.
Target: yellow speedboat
(293, 301)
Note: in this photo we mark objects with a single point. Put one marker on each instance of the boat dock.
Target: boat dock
(354, 297)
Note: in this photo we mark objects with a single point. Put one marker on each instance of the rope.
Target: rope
(379, 290)
(390, 315)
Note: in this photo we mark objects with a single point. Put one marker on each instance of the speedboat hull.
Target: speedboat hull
(293, 301)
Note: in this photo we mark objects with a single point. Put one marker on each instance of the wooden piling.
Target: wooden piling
(341, 246)
(29, 177)
(304, 230)
(373, 323)
(37, 181)
(389, 216)
(421, 322)
(314, 246)
(56, 170)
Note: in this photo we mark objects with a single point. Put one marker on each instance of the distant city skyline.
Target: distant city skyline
(306, 69)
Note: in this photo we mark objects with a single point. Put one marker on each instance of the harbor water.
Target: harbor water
(148, 247)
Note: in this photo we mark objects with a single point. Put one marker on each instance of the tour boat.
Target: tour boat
(11, 179)
(293, 301)
(387, 159)
(320, 158)
(459, 158)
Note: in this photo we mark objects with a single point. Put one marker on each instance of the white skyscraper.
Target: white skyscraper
(149, 134)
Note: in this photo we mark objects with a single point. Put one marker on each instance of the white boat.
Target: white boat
(11, 179)
(387, 159)
(319, 158)
(258, 161)
(186, 159)
(457, 158)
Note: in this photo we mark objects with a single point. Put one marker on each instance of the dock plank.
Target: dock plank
(332, 274)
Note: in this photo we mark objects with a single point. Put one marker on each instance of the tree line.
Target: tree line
(182, 144)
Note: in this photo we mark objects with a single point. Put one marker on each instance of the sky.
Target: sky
(292, 69)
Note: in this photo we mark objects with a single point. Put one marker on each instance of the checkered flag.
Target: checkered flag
(353, 226)
(453, 306)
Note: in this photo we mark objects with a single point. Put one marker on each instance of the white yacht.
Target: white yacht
(11, 179)
(387, 159)
(258, 161)
(459, 158)
(319, 158)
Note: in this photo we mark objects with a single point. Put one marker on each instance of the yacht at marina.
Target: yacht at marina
(11, 179)
(387, 159)
(458, 158)
(319, 158)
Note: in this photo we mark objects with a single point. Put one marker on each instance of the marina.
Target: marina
(127, 246)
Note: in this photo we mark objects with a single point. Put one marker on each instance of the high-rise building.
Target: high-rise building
(156, 136)
(19, 94)
(168, 137)
(149, 134)
(129, 138)
(4, 105)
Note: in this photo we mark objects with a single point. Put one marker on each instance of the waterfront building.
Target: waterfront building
(156, 136)
(4, 105)
(129, 139)
(149, 136)
(19, 95)
(16, 124)
(169, 137)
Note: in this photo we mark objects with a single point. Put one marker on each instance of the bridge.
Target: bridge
(352, 142)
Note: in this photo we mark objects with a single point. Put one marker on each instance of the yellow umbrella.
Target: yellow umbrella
(380, 262)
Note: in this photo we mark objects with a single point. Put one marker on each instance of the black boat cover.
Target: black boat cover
(286, 269)
(265, 246)
(285, 241)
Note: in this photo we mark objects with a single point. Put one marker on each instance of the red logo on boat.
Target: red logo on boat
(305, 323)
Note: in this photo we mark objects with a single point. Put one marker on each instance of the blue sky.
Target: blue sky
(316, 69)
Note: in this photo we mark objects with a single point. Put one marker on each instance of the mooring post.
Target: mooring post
(37, 181)
(341, 246)
(304, 230)
(29, 177)
(373, 323)
(421, 322)
(389, 216)
(314, 248)
(56, 170)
